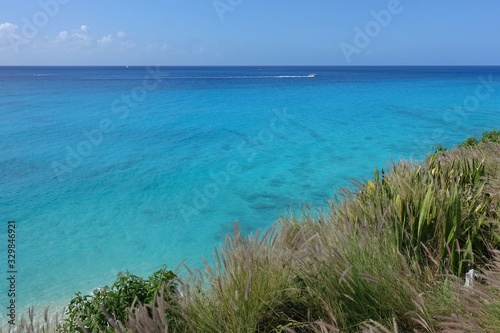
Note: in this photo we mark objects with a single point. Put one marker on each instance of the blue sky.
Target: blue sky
(250, 32)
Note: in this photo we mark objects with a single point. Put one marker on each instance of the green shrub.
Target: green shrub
(439, 148)
(491, 136)
(438, 210)
(469, 142)
(92, 311)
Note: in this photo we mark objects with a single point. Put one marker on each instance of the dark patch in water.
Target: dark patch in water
(311, 132)
(301, 173)
(263, 205)
(16, 168)
(276, 182)
(256, 196)
(149, 212)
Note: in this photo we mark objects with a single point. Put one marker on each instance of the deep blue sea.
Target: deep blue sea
(106, 169)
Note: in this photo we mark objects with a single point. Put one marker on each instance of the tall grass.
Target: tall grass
(389, 255)
(354, 274)
(36, 322)
(251, 288)
(477, 308)
(447, 206)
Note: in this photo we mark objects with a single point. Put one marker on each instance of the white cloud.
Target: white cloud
(82, 36)
(78, 39)
(10, 36)
(76, 42)
(126, 45)
(105, 40)
(6, 28)
(63, 35)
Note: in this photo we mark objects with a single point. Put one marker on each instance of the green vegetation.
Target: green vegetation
(443, 209)
(389, 255)
(99, 312)
(470, 142)
(491, 136)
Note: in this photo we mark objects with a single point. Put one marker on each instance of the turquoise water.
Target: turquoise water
(110, 169)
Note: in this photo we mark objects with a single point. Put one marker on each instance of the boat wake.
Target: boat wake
(242, 77)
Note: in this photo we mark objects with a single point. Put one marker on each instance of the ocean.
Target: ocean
(107, 169)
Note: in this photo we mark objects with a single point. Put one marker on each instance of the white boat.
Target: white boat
(312, 75)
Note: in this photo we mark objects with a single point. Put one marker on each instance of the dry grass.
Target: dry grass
(250, 287)
(477, 308)
(32, 322)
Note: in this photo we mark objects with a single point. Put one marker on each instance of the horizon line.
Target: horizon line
(129, 66)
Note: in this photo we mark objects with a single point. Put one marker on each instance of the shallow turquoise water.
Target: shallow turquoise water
(111, 169)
